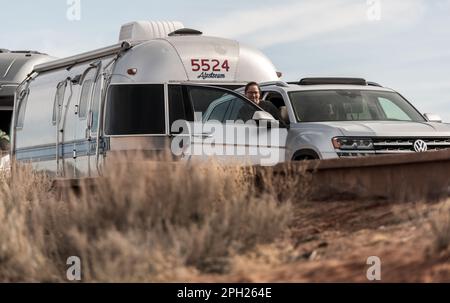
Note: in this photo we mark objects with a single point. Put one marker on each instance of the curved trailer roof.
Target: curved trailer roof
(16, 65)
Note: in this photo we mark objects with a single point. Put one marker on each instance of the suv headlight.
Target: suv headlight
(344, 143)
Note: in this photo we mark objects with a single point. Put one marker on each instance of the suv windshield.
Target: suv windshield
(352, 105)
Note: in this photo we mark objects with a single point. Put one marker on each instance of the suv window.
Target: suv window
(351, 105)
(215, 104)
(392, 111)
(275, 98)
(242, 110)
(211, 102)
(218, 112)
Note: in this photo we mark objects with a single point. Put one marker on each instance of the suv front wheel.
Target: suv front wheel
(303, 155)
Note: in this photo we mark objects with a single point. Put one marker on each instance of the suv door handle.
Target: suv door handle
(203, 135)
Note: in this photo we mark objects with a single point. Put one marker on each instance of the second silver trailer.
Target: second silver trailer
(15, 65)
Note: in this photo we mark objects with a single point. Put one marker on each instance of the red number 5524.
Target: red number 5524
(206, 65)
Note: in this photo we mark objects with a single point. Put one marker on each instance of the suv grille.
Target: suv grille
(397, 146)
(400, 145)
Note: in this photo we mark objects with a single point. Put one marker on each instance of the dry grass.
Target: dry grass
(143, 223)
(440, 227)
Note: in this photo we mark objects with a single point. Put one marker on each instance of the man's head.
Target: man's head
(253, 91)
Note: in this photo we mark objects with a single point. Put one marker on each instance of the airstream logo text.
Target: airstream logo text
(204, 76)
(210, 68)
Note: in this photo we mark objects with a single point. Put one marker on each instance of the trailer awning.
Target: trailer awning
(84, 57)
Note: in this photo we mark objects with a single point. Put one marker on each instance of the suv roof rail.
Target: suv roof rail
(370, 83)
(27, 52)
(277, 83)
(319, 81)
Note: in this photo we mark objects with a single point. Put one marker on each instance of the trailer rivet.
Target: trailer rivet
(132, 71)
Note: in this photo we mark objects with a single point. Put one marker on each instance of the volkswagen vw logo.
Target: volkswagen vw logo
(420, 146)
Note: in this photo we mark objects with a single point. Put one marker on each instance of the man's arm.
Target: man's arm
(273, 110)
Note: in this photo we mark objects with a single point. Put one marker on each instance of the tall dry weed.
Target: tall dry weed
(440, 227)
(146, 221)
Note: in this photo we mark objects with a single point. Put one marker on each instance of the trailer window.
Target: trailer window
(23, 98)
(85, 95)
(58, 102)
(135, 109)
(95, 105)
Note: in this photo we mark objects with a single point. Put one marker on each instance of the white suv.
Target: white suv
(345, 117)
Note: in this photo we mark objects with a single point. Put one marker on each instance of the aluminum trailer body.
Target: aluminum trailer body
(73, 112)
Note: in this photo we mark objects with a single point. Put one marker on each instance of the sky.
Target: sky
(401, 44)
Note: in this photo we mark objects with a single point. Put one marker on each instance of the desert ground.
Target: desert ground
(206, 223)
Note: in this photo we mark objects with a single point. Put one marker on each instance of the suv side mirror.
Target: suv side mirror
(265, 116)
(433, 117)
(262, 115)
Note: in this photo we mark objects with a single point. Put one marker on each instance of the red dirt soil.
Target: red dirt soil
(332, 241)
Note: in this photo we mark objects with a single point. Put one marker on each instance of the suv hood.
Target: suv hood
(391, 128)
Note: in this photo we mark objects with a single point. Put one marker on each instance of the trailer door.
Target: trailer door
(60, 108)
(93, 122)
(84, 143)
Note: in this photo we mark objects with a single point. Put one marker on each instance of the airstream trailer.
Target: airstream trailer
(14, 68)
(73, 112)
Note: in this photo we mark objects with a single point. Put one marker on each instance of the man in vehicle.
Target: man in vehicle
(253, 92)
